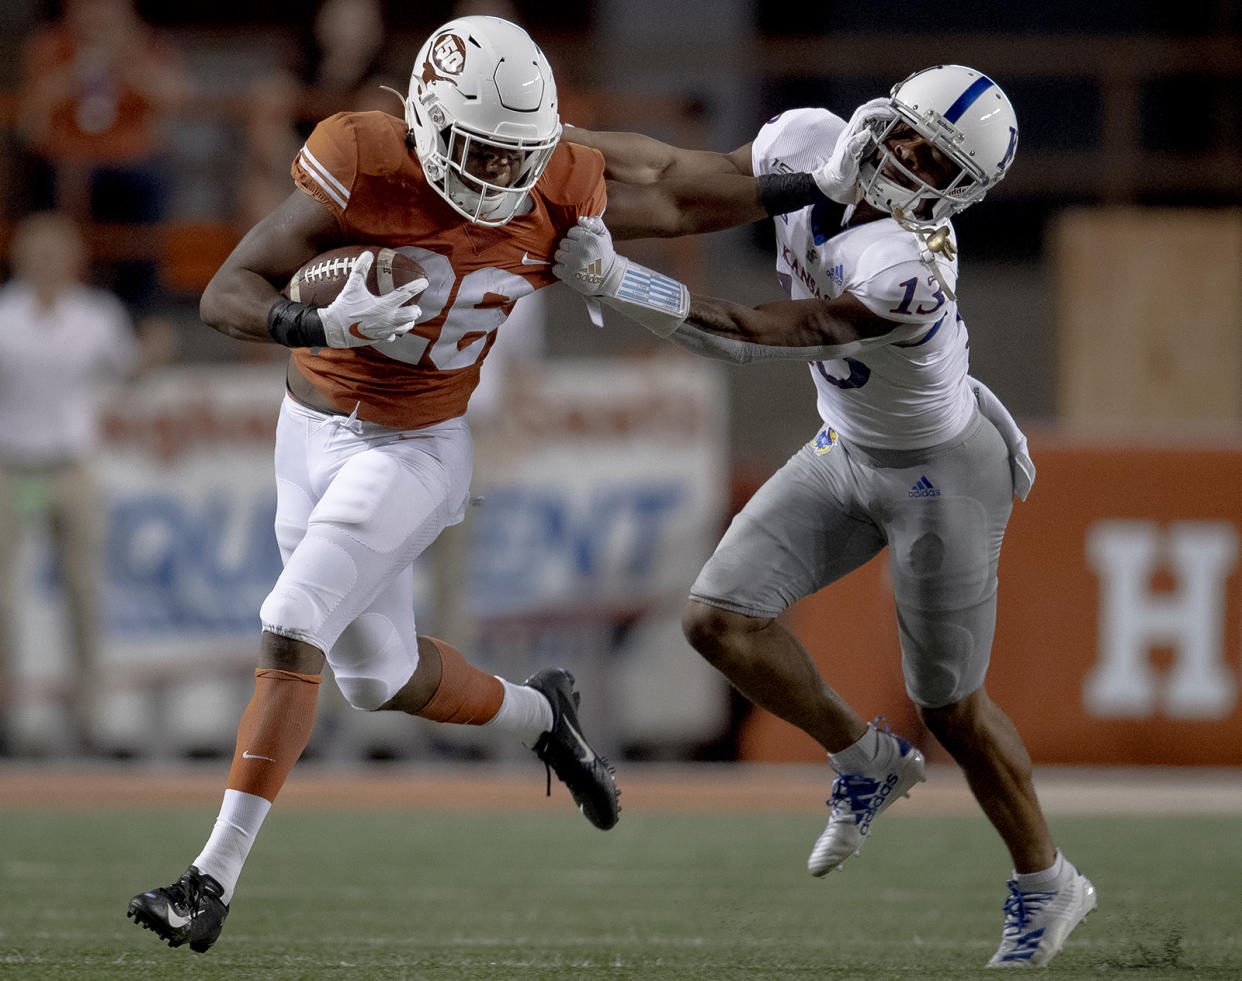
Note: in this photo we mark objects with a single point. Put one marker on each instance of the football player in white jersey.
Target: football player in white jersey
(913, 454)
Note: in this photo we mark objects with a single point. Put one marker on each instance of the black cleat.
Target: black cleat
(565, 750)
(189, 911)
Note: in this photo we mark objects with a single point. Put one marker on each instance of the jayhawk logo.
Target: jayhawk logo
(824, 440)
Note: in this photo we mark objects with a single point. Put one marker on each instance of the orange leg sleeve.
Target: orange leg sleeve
(466, 695)
(274, 730)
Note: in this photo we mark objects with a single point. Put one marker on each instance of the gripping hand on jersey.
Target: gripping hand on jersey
(357, 317)
(837, 178)
(587, 261)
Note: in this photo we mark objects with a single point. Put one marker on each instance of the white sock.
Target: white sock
(859, 756)
(1049, 880)
(524, 712)
(241, 816)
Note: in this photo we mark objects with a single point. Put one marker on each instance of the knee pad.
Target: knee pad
(312, 586)
(365, 694)
(944, 656)
(372, 661)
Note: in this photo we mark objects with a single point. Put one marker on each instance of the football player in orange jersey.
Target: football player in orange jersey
(373, 458)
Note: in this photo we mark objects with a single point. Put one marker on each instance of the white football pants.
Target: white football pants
(356, 503)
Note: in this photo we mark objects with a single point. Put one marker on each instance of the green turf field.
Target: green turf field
(382, 894)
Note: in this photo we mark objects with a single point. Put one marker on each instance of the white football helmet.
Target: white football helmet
(480, 85)
(966, 116)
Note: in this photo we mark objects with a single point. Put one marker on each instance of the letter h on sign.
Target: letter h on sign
(1132, 620)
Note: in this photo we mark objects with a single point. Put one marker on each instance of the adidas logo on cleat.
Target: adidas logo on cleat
(864, 818)
(924, 488)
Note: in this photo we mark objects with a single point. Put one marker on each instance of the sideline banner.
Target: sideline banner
(604, 486)
(184, 472)
(603, 489)
(1119, 635)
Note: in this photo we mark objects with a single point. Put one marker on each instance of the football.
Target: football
(320, 280)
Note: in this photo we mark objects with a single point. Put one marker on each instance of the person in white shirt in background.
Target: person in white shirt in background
(62, 339)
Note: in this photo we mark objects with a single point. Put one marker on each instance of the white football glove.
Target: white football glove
(838, 177)
(587, 261)
(357, 317)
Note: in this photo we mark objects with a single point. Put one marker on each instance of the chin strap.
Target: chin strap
(931, 241)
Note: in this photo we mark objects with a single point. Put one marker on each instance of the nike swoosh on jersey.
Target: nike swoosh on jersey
(528, 261)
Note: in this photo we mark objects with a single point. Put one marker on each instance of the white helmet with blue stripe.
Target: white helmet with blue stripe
(966, 116)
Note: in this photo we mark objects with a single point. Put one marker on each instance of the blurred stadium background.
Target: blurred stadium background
(1102, 284)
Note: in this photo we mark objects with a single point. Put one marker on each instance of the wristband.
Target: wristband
(295, 324)
(782, 193)
(658, 302)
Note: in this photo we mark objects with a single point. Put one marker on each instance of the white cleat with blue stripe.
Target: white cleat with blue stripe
(857, 799)
(1038, 923)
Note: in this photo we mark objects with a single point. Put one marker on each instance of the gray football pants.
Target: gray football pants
(942, 513)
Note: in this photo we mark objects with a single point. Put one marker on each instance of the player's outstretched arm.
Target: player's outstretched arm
(801, 330)
(659, 190)
(683, 206)
(632, 158)
(788, 330)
